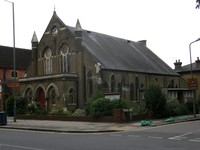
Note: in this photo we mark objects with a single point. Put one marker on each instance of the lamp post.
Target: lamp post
(194, 108)
(14, 66)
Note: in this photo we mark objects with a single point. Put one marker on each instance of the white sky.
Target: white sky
(167, 25)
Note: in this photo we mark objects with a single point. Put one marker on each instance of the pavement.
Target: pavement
(89, 127)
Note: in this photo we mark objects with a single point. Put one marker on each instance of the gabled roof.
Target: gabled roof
(119, 54)
(187, 68)
(23, 57)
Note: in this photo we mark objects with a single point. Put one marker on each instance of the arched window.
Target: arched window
(48, 61)
(72, 97)
(90, 83)
(119, 87)
(64, 52)
(171, 85)
(132, 92)
(112, 83)
(52, 96)
(106, 87)
(137, 88)
(29, 95)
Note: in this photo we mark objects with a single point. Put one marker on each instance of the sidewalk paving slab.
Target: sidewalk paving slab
(85, 127)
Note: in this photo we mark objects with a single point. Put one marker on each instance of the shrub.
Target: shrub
(103, 107)
(21, 105)
(155, 100)
(10, 105)
(79, 112)
(139, 109)
(100, 107)
(189, 105)
(35, 108)
(60, 111)
(174, 108)
(117, 104)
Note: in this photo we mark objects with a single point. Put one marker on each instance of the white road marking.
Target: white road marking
(21, 147)
(155, 137)
(136, 136)
(179, 137)
(115, 135)
(195, 140)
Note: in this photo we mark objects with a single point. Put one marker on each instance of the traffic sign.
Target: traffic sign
(192, 83)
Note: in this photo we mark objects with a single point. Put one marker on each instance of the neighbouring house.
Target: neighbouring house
(191, 74)
(69, 64)
(7, 73)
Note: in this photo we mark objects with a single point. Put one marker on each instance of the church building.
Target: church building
(69, 64)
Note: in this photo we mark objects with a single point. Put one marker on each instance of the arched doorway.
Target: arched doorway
(41, 98)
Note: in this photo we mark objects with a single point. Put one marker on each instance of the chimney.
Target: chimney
(177, 65)
(197, 63)
(144, 42)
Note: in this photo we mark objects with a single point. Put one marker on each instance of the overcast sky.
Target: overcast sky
(167, 25)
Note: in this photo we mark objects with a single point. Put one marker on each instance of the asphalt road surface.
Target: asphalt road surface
(181, 136)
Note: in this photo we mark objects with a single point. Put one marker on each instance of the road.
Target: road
(182, 136)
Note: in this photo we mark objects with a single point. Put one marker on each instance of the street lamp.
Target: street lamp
(194, 108)
(14, 67)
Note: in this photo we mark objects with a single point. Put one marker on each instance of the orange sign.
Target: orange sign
(192, 83)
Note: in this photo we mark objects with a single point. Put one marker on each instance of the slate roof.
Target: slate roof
(187, 68)
(23, 57)
(120, 54)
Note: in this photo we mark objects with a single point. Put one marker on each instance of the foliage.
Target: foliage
(35, 108)
(103, 107)
(97, 94)
(174, 108)
(21, 105)
(60, 111)
(100, 107)
(79, 112)
(189, 105)
(119, 104)
(139, 109)
(10, 105)
(155, 100)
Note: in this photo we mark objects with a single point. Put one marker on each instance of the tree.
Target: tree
(155, 100)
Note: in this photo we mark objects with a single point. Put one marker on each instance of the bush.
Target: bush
(174, 108)
(103, 107)
(21, 105)
(155, 100)
(189, 105)
(35, 108)
(79, 112)
(119, 104)
(100, 107)
(139, 109)
(60, 111)
(10, 105)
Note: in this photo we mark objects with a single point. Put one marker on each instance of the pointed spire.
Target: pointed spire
(54, 11)
(78, 26)
(34, 38)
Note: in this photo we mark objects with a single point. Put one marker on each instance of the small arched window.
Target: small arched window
(52, 96)
(90, 83)
(48, 61)
(64, 52)
(106, 87)
(112, 83)
(72, 99)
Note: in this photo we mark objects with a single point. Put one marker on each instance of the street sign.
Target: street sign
(192, 83)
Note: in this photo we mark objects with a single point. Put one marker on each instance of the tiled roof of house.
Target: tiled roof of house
(23, 57)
